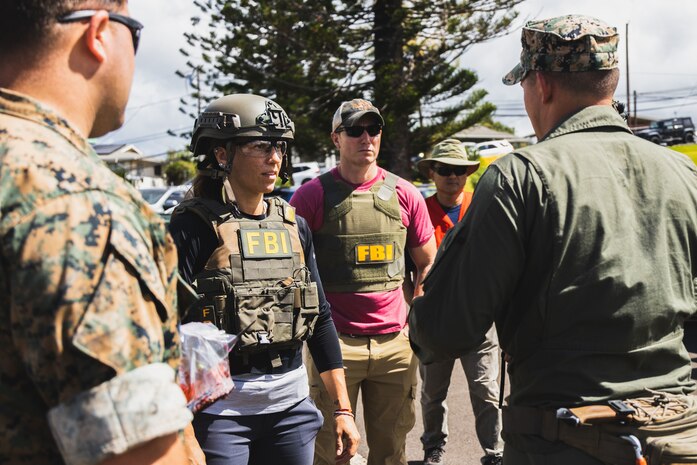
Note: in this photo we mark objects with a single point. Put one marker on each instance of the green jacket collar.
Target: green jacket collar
(593, 117)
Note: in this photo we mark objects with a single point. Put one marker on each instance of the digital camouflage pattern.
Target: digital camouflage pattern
(569, 43)
(87, 277)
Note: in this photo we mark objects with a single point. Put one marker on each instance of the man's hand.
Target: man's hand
(347, 438)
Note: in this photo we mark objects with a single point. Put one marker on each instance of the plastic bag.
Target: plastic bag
(204, 370)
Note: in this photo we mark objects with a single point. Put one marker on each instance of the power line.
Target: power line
(150, 104)
(151, 136)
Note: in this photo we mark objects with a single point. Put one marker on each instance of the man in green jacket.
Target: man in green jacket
(582, 249)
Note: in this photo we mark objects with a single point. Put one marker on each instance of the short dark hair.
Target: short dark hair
(25, 24)
(599, 83)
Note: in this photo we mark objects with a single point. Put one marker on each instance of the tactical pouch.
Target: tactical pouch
(262, 317)
(208, 309)
(305, 311)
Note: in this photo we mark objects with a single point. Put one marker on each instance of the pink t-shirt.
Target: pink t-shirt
(368, 312)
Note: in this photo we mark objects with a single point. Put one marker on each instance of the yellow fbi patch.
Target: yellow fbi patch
(265, 243)
(374, 253)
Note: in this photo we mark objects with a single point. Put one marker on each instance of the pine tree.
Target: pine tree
(285, 50)
(405, 56)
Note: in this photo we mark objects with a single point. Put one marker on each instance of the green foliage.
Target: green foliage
(118, 169)
(689, 150)
(179, 171)
(426, 95)
(309, 56)
(473, 178)
(286, 50)
(495, 125)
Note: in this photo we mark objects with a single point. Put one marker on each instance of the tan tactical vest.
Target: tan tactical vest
(360, 246)
(256, 284)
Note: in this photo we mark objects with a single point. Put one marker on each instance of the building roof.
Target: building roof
(479, 133)
(122, 153)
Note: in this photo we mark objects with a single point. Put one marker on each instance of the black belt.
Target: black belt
(366, 335)
(354, 335)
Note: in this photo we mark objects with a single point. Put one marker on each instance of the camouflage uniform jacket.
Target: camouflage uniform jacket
(582, 249)
(87, 282)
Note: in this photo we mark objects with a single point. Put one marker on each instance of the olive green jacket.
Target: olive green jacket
(583, 250)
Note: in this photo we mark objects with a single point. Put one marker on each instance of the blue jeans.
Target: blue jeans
(283, 438)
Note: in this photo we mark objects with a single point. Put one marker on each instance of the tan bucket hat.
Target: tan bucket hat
(448, 152)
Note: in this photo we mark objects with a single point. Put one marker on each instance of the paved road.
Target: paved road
(463, 448)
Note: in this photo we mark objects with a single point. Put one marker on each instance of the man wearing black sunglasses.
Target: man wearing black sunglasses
(363, 218)
(449, 166)
(88, 324)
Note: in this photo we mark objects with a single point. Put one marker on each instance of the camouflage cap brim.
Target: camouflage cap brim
(515, 75)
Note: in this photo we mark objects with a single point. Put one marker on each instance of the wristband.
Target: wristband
(344, 411)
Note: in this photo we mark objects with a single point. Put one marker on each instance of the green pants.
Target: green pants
(567, 456)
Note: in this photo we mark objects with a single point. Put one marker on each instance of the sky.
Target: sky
(662, 64)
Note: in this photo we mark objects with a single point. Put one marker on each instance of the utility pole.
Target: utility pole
(626, 44)
(197, 70)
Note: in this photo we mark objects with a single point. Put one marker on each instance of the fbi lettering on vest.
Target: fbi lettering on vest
(265, 243)
(374, 253)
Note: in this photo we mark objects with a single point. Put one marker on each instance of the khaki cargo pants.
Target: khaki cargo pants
(383, 369)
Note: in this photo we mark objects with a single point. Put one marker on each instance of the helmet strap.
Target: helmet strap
(230, 150)
(284, 172)
(227, 193)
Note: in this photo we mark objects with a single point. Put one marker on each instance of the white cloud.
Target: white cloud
(661, 54)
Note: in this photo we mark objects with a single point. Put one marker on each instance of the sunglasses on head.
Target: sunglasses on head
(263, 148)
(133, 25)
(447, 170)
(357, 131)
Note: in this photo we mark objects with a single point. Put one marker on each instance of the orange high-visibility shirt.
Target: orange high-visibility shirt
(441, 221)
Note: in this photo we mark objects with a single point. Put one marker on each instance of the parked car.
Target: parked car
(283, 192)
(164, 198)
(426, 189)
(493, 148)
(669, 131)
(305, 171)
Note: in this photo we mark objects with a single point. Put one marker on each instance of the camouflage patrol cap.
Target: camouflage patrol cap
(568, 44)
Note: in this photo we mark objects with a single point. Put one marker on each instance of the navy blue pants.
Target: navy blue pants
(283, 438)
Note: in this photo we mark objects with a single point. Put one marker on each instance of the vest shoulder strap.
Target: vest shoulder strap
(385, 198)
(337, 196)
(388, 187)
(282, 208)
(211, 211)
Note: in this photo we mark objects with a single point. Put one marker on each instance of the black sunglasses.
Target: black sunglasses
(133, 25)
(357, 131)
(447, 170)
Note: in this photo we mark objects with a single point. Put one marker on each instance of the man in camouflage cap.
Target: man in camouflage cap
(565, 44)
(580, 249)
(88, 318)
